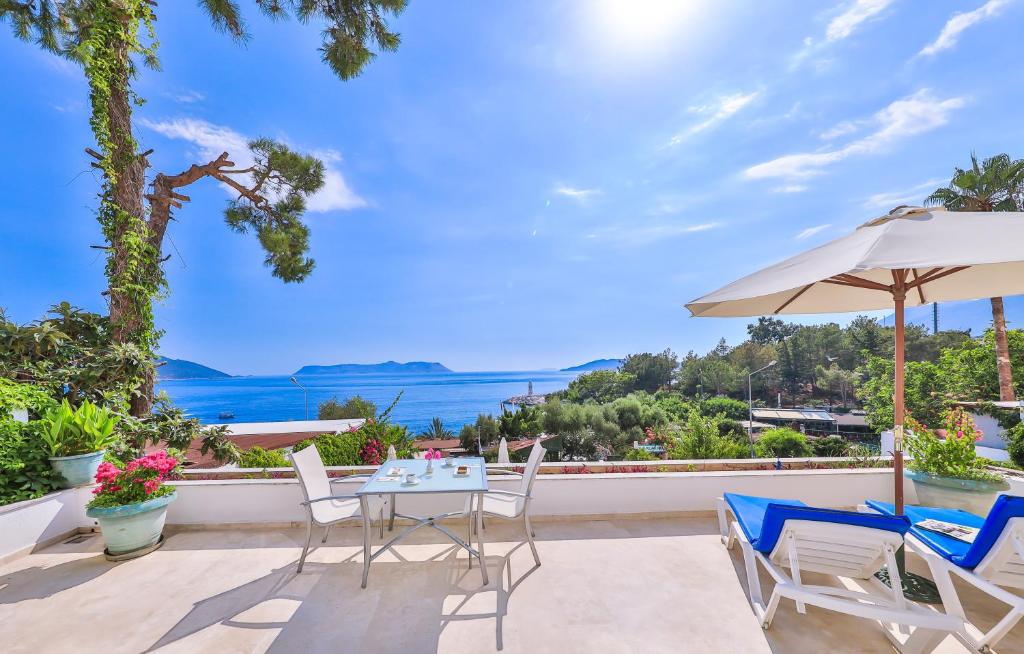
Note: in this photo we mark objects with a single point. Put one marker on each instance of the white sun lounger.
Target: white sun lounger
(789, 534)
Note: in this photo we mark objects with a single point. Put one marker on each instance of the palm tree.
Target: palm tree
(437, 431)
(997, 184)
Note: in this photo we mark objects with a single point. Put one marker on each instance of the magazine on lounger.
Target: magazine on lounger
(959, 532)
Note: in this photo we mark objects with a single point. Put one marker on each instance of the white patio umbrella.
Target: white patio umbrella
(911, 256)
(503, 451)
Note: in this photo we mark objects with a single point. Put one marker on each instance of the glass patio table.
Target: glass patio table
(443, 480)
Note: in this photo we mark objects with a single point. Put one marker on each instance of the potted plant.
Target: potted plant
(78, 439)
(947, 471)
(130, 504)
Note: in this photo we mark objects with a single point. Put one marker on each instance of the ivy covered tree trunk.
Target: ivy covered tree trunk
(1003, 366)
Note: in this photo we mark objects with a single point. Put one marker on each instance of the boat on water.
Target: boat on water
(225, 415)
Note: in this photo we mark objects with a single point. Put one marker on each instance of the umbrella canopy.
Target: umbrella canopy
(910, 256)
(947, 256)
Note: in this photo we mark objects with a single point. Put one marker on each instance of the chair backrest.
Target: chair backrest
(309, 468)
(532, 466)
(503, 451)
(1005, 509)
(1004, 563)
(842, 543)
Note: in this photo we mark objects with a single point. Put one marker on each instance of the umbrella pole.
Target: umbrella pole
(915, 587)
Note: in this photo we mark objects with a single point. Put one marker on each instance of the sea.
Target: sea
(455, 397)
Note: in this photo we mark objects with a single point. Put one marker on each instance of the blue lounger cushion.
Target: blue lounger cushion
(965, 555)
(762, 519)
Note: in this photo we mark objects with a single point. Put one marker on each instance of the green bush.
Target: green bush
(336, 449)
(782, 442)
(257, 457)
(727, 406)
(25, 471)
(635, 454)
(830, 446)
(1015, 444)
(353, 407)
(702, 439)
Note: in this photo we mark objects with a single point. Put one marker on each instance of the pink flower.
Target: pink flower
(960, 433)
(107, 472)
(151, 486)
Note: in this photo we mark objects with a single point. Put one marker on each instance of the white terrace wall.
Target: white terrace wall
(276, 501)
(27, 525)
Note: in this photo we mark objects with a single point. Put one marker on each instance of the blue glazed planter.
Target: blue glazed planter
(973, 496)
(78, 470)
(132, 526)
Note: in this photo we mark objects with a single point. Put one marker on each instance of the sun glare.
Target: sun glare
(641, 23)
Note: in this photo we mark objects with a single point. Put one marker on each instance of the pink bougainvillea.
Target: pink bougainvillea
(141, 479)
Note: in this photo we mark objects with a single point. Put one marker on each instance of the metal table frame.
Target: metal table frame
(477, 489)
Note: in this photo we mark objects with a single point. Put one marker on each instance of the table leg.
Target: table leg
(480, 535)
(364, 506)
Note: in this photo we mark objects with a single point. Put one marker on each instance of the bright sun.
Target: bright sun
(634, 23)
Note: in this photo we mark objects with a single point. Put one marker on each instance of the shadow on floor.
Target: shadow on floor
(405, 608)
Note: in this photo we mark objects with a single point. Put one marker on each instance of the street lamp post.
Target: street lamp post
(750, 405)
(305, 394)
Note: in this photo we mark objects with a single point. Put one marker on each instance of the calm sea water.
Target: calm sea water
(455, 397)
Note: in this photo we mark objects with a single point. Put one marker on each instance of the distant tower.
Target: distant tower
(529, 388)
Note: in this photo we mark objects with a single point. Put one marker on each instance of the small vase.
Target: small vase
(430, 467)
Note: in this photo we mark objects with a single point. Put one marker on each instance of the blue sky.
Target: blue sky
(522, 185)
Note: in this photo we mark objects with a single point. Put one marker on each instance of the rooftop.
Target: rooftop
(606, 585)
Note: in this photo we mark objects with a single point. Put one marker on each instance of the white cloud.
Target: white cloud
(914, 195)
(914, 114)
(959, 22)
(860, 11)
(717, 112)
(211, 140)
(811, 231)
(581, 194)
(790, 188)
(633, 235)
(187, 97)
(842, 129)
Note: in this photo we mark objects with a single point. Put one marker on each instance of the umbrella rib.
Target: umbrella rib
(795, 296)
(929, 277)
(920, 289)
(846, 279)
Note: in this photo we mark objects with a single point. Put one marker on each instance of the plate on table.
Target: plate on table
(461, 471)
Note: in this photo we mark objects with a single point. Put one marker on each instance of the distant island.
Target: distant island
(182, 369)
(393, 367)
(597, 364)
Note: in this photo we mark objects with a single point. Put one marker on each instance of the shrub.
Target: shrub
(1015, 444)
(701, 439)
(727, 406)
(336, 449)
(353, 407)
(635, 454)
(257, 457)
(89, 428)
(25, 472)
(830, 446)
(783, 443)
(579, 445)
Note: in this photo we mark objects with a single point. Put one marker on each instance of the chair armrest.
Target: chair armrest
(331, 497)
(500, 471)
(506, 492)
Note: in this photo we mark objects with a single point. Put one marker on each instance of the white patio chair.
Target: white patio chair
(995, 559)
(511, 505)
(324, 508)
(790, 534)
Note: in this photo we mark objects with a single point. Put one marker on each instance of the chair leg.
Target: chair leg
(309, 536)
(327, 532)
(529, 536)
(366, 540)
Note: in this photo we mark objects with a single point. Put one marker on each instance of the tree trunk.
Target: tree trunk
(127, 194)
(1003, 365)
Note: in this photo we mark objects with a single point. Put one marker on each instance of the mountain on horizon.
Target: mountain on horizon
(182, 369)
(596, 364)
(975, 315)
(393, 367)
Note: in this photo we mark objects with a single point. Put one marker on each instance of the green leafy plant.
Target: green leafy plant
(701, 438)
(639, 455)
(257, 457)
(830, 446)
(87, 429)
(1015, 444)
(952, 456)
(25, 472)
(782, 442)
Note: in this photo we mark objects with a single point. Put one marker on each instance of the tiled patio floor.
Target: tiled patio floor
(665, 585)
